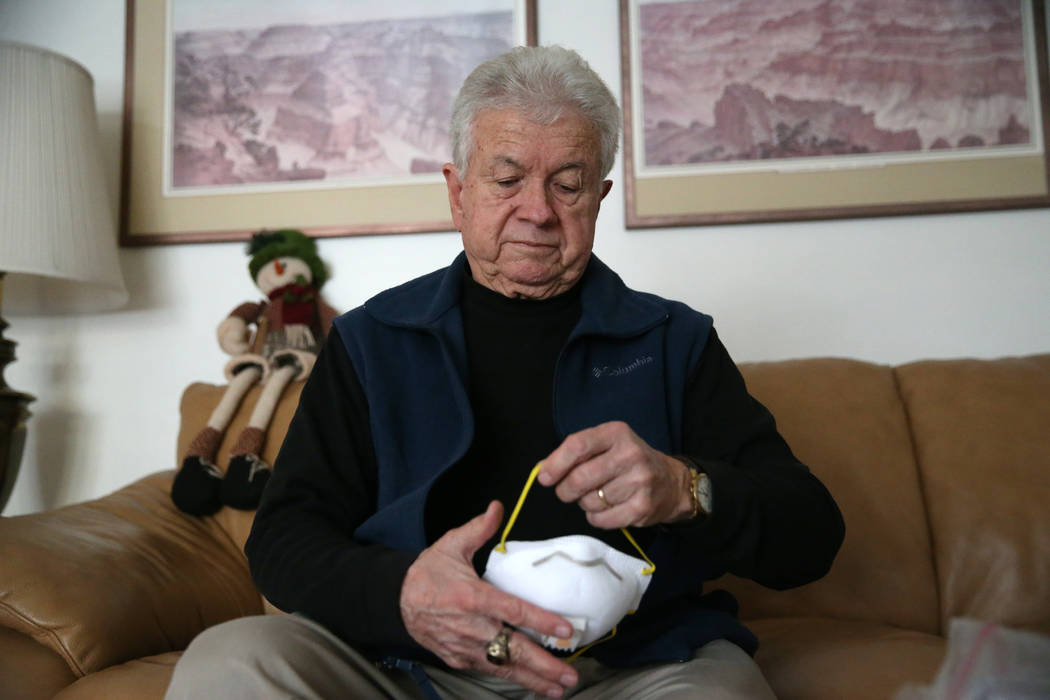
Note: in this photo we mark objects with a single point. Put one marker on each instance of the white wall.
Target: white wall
(888, 290)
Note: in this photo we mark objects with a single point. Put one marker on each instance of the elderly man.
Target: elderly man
(431, 404)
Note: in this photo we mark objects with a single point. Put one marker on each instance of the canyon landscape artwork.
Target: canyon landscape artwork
(752, 80)
(321, 102)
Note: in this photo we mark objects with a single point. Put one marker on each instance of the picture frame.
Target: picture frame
(164, 160)
(701, 172)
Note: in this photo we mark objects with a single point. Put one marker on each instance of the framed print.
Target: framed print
(773, 110)
(329, 116)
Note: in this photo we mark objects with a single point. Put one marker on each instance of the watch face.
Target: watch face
(703, 492)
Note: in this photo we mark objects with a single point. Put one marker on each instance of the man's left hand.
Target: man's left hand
(638, 484)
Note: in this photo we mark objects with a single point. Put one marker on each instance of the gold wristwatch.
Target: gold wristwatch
(700, 493)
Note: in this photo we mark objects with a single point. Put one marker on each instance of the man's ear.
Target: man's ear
(606, 186)
(455, 193)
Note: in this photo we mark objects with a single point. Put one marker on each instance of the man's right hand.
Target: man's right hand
(448, 609)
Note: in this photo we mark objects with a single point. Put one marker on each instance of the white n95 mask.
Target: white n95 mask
(589, 583)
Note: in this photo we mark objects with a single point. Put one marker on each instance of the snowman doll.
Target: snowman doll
(271, 342)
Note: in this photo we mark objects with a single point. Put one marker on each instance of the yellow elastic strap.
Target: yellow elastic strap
(576, 654)
(502, 546)
(652, 566)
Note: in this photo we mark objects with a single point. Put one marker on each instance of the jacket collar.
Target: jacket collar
(609, 307)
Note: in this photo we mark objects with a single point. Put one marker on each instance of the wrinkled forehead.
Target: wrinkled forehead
(510, 136)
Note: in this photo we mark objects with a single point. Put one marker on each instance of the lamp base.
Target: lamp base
(13, 415)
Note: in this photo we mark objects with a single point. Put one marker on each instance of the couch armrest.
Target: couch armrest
(122, 577)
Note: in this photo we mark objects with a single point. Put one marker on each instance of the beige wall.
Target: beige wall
(888, 290)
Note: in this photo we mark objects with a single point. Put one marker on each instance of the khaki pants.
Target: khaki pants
(289, 656)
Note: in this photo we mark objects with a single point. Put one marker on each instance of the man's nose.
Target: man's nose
(535, 205)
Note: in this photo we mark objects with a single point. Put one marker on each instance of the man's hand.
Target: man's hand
(641, 486)
(453, 613)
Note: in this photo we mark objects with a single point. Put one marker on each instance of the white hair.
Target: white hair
(540, 82)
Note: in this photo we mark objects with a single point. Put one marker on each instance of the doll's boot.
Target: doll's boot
(196, 489)
(247, 474)
(245, 480)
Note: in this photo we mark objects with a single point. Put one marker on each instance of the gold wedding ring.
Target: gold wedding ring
(601, 495)
(497, 651)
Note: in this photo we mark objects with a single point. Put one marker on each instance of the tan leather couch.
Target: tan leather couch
(941, 469)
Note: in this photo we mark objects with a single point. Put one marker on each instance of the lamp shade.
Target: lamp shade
(58, 242)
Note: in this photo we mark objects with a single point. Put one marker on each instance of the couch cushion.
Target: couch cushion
(824, 659)
(845, 420)
(142, 679)
(982, 434)
(198, 401)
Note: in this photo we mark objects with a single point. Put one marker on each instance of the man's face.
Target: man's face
(528, 203)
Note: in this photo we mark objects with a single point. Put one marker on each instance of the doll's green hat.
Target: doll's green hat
(286, 243)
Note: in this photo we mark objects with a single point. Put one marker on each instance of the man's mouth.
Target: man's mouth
(533, 244)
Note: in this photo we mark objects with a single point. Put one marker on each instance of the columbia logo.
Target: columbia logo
(621, 370)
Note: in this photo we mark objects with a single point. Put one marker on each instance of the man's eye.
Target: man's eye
(567, 189)
(507, 182)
